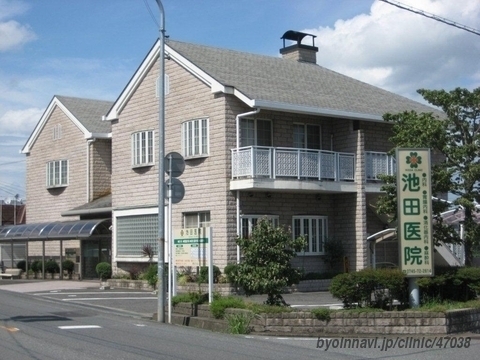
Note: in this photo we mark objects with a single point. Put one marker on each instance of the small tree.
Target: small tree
(266, 267)
(104, 270)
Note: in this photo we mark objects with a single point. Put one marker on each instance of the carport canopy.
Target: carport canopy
(57, 230)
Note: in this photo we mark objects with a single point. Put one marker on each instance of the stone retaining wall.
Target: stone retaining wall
(223, 289)
(304, 323)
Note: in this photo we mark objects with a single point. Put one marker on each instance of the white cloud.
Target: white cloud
(402, 51)
(19, 122)
(13, 34)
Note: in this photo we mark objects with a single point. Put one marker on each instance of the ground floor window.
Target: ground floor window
(314, 229)
(196, 219)
(134, 232)
(249, 222)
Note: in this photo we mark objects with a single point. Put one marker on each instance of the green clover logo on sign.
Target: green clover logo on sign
(413, 160)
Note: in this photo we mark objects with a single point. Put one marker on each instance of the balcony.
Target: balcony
(379, 163)
(274, 163)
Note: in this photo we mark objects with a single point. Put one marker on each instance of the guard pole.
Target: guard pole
(414, 292)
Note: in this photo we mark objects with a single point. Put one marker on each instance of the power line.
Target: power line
(432, 16)
(12, 162)
(151, 13)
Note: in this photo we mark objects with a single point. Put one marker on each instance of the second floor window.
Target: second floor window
(306, 136)
(142, 148)
(195, 138)
(57, 173)
(256, 132)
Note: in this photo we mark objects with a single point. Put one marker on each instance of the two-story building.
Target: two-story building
(68, 174)
(261, 136)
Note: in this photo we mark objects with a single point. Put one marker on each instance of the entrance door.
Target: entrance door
(94, 252)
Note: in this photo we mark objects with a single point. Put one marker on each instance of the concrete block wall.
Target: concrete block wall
(47, 204)
(205, 178)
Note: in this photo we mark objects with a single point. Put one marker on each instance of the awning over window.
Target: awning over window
(65, 230)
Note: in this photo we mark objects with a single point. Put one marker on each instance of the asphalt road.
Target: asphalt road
(77, 320)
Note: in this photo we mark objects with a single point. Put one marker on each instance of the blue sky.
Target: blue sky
(91, 48)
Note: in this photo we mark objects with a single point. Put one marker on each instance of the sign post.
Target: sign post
(193, 247)
(414, 196)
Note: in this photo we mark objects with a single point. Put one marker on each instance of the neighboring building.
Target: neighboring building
(68, 173)
(261, 136)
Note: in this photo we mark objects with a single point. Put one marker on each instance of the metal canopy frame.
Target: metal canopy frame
(57, 230)
(54, 231)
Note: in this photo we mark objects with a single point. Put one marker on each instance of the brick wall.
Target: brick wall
(100, 168)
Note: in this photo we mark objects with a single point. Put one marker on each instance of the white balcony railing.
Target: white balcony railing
(273, 162)
(377, 163)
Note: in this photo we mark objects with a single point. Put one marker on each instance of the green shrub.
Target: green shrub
(68, 266)
(230, 270)
(319, 275)
(451, 284)
(104, 270)
(323, 314)
(239, 323)
(51, 267)
(203, 275)
(36, 266)
(151, 275)
(192, 297)
(370, 287)
(218, 306)
(22, 264)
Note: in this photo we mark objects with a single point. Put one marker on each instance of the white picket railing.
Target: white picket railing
(273, 162)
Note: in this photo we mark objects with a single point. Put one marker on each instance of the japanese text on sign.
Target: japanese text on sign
(414, 212)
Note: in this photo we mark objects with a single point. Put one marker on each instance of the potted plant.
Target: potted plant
(68, 266)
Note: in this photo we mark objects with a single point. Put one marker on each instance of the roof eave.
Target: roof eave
(103, 210)
(311, 110)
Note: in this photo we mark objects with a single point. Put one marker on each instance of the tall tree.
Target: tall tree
(455, 139)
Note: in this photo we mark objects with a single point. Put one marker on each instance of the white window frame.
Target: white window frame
(305, 135)
(248, 222)
(203, 219)
(315, 230)
(143, 148)
(57, 173)
(249, 141)
(166, 86)
(195, 138)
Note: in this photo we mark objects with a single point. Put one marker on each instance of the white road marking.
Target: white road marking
(74, 327)
(92, 293)
(111, 298)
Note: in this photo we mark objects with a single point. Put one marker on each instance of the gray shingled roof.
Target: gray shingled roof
(89, 112)
(291, 82)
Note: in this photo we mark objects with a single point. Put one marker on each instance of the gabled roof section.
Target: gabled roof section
(274, 83)
(86, 114)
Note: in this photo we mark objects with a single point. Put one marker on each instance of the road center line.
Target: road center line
(74, 327)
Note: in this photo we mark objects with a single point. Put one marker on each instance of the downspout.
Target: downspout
(237, 122)
(90, 141)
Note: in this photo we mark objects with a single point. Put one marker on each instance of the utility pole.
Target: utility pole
(161, 168)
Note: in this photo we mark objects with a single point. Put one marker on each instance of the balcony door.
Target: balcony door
(255, 132)
(306, 136)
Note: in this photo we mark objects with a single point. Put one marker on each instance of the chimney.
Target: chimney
(299, 51)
